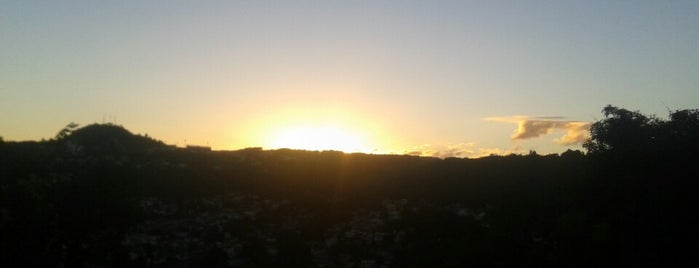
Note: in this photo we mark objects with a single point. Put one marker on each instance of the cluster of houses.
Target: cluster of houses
(238, 227)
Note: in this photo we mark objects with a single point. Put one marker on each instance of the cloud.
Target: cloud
(507, 119)
(534, 127)
(578, 132)
(550, 117)
(443, 151)
(460, 150)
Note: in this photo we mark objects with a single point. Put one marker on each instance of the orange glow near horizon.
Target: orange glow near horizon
(317, 138)
(315, 126)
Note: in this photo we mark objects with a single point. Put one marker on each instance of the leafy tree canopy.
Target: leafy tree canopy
(632, 135)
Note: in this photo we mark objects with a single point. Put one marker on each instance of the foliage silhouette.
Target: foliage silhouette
(631, 136)
(66, 131)
(645, 181)
(106, 138)
(102, 196)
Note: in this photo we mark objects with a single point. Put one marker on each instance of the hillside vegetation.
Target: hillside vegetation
(102, 196)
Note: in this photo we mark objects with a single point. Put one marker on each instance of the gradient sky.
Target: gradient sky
(440, 77)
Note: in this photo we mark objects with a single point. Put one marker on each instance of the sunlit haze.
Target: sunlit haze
(446, 78)
(317, 138)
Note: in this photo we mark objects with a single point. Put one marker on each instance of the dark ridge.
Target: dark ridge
(102, 196)
(103, 138)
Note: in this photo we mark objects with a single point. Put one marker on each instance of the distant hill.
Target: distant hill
(106, 138)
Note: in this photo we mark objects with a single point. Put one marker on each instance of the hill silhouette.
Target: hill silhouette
(102, 196)
(105, 138)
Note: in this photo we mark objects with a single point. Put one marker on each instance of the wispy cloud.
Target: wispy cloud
(533, 127)
(461, 150)
(528, 127)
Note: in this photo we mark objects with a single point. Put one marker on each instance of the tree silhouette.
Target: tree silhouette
(66, 131)
(630, 135)
(683, 132)
(622, 131)
(646, 182)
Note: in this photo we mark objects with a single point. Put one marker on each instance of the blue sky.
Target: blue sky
(404, 75)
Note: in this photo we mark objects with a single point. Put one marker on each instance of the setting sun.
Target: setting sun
(318, 138)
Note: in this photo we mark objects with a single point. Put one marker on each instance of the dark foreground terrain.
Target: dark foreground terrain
(99, 196)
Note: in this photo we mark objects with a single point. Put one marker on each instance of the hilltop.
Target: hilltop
(103, 138)
(102, 196)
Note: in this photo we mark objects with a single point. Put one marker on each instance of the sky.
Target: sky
(433, 78)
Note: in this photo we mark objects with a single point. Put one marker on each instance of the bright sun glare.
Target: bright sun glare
(318, 138)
